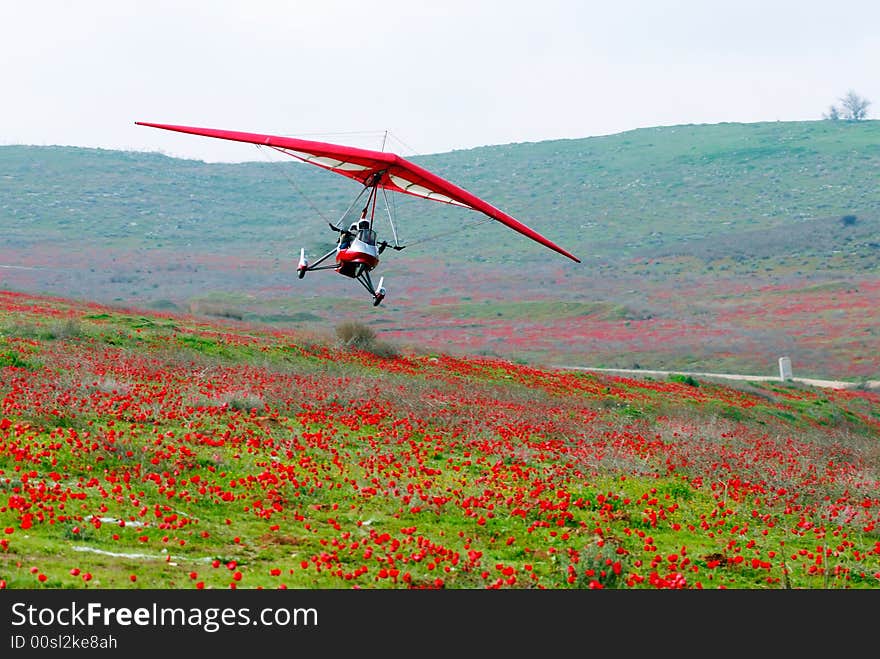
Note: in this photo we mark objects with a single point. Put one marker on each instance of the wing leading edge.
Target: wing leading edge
(394, 172)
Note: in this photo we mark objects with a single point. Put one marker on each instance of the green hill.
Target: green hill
(621, 194)
(705, 247)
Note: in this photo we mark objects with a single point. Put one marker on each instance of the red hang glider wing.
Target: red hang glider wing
(387, 170)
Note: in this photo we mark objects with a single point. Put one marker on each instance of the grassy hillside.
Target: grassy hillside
(647, 188)
(704, 247)
(142, 450)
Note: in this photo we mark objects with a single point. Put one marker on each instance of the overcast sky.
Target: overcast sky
(438, 75)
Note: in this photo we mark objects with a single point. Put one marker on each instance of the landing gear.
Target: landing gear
(355, 270)
(303, 263)
(377, 292)
(379, 295)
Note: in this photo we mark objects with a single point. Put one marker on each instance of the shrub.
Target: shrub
(684, 379)
(245, 402)
(355, 334)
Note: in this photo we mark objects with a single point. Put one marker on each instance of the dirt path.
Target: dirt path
(831, 384)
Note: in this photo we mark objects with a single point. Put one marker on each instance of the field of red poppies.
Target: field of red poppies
(649, 316)
(145, 450)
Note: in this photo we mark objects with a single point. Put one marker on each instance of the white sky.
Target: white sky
(439, 75)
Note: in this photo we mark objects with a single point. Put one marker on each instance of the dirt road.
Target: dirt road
(831, 384)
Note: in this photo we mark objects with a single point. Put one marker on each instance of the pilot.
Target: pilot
(364, 233)
(345, 237)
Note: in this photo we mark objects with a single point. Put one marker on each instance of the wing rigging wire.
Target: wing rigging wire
(390, 207)
(290, 180)
(391, 210)
(451, 231)
(390, 218)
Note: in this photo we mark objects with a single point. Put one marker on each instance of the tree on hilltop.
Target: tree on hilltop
(833, 113)
(852, 108)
